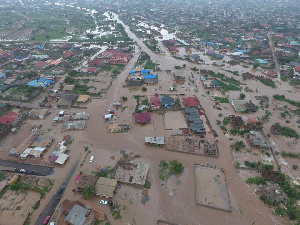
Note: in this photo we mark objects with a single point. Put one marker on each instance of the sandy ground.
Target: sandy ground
(174, 202)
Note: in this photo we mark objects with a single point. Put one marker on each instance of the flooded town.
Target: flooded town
(149, 112)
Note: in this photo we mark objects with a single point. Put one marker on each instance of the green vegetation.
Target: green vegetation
(2, 176)
(37, 205)
(152, 45)
(226, 120)
(124, 98)
(282, 98)
(267, 82)
(150, 65)
(223, 128)
(222, 99)
(228, 83)
(108, 173)
(167, 169)
(147, 184)
(236, 73)
(287, 131)
(89, 192)
(290, 154)
(242, 96)
(144, 89)
(195, 69)
(252, 165)
(255, 180)
(238, 145)
(295, 167)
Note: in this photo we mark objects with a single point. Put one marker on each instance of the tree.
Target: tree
(124, 98)
(255, 65)
(144, 89)
(72, 72)
(90, 35)
(242, 96)
(176, 167)
(184, 65)
(89, 192)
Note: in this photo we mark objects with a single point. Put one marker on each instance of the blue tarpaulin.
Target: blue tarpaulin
(132, 72)
(150, 76)
(145, 71)
(41, 82)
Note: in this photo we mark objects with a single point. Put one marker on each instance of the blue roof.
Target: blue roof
(145, 71)
(40, 47)
(210, 43)
(150, 76)
(41, 82)
(132, 72)
(241, 50)
(2, 75)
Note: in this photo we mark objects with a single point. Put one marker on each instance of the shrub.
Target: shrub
(147, 184)
(295, 167)
(144, 89)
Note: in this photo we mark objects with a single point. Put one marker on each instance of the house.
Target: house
(188, 51)
(94, 91)
(272, 73)
(38, 113)
(74, 125)
(273, 192)
(191, 101)
(261, 61)
(172, 49)
(11, 118)
(77, 215)
(96, 63)
(81, 116)
(296, 72)
(69, 88)
(68, 55)
(92, 70)
(66, 100)
(40, 65)
(194, 57)
(41, 82)
(155, 102)
(167, 101)
(150, 79)
(142, 118)
(84, 98)
(106, 187)
(159, 141)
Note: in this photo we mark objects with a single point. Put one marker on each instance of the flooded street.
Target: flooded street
(179, 208)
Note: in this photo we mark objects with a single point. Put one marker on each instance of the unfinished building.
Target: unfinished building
(4, 130)
(248, 76)
(257, 139)
(132, 173)
(237, 122)
(273, 192)
(250, 106)
(271, 175)
(118, 128)
(211, 149)
(87, 180)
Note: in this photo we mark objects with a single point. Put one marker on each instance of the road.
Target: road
(42, 170)
(51, 206)
(272, 48)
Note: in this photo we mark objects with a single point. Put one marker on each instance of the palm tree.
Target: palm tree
(89, 192)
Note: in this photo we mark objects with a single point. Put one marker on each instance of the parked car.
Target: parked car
(46, 221)
(92, 159)
(215, 133)
(103, 202)
(23, 170)
(34, 171)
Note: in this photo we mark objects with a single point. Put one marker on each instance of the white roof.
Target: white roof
(26, 153)
(39, 149)
(61, 158)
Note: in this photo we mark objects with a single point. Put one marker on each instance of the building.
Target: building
(191, 101)
(150, 79)
(160, 141)
(142, 118)
(66, 100)
(106, 187)
(39, 113)
(155, 102)
(296, 72)
(81, 116)
(74, 125)
(84, 98)
(77, 215)
(261, 61)
(132, 173)
(69, 88)
(273, 192)
(172, 49)
(257, 139)
(167, 101)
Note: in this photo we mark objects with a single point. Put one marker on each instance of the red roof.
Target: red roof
(53, 158)
(41, 64)
(66, 138)
(251, 120)
(92, 70)
(191, 101)
(297, 68)
(172, 49)
(78, 177)
(68, 54)
(155, 101)
(10, 118)
(142, 117)
(96, 62)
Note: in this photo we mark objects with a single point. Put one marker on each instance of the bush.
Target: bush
(144, 89)
(226, 120)
(124, 98)
(252, 165)
(255, 180)
(147, 184)
(223, 128)
(295, 167)
(242, 96)
(176, 167)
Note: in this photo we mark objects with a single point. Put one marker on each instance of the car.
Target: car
(92, 159)
(34, 171)
(46, 221)
(23, 170)
(215, 133)
(231, 139)
(103, 202)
